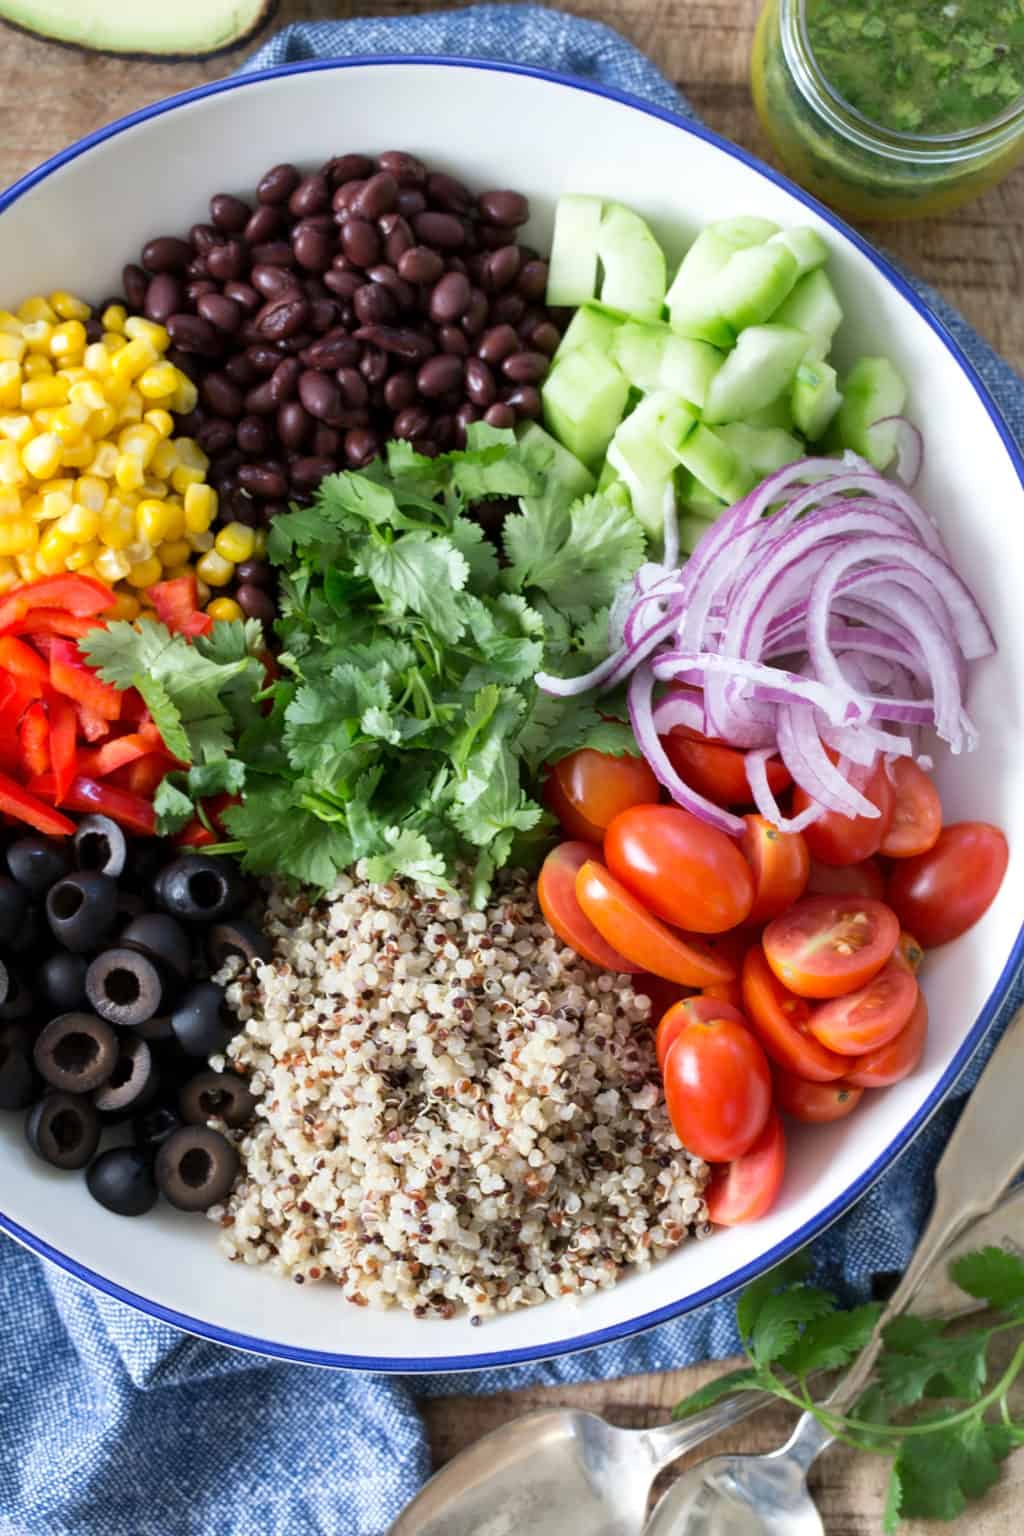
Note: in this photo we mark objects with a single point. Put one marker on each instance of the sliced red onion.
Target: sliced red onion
(679, 708)
(641, 717)
(670, 518)
(767, 805)
(803, 754)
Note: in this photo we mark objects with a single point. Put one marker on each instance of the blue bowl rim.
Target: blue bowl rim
(995, 1000)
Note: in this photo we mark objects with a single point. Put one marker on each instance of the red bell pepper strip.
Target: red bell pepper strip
(71, 675)
(76, 594)
(194, 835)
(17, 802)
(177, 605)
(143, 777)
(34, 739)
(133, 707)
(63, 743)
(24, 663)
(98, 762)
(90, 796)
(54, 621)
(90, 725)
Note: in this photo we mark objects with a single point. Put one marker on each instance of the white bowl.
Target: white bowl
(76, 220)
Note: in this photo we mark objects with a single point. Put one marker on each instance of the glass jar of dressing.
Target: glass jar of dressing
(890, 109)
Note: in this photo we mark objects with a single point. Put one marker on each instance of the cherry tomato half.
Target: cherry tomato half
(825, 946)
(699, 1009)
(872, 1016)
(718, 1089)
(838, 839)
(663, 995)
(556, 893)
(648, 943)
(747, 1189)
(916, 813)
(716, 771)
(863, 879)
(897, 1059)
(780, 864)
(588, 789)
(814, 1103)
(780, 1020)
(686, 872)
(725, 992)
(940, 894)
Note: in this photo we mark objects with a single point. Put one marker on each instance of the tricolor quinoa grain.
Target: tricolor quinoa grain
(454, 1110)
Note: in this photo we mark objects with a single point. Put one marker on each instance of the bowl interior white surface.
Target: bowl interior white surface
(78, 225)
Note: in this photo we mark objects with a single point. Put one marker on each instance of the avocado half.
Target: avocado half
(192, 29)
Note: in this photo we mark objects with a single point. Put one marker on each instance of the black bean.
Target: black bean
(259, 401)
(135, 283)
(397, 235)
(445, 192)
(311, 194)
(195, 289)
(439, 376)
(273, 253)
(166, 254)
(525, 367)
(373, 365)
(464, 417)
(284, 380)
(293, 425)
(508, 208)
(273, 282)
(335, 350)
(262, 480)
(405, 168)
(243, 294)
(497, 343)
(190, 333)
(451, 339)
(264, 225)
(254, 602)
(508, 309)
(475, 318)
(361, 445)
(323, 314)
(312, 249)
(412, 423)
(263, 357)
(243, 509)
(203, 237)
(319, 394)
(214, 436)
(374, 305)
(255, 573)
(353, 388)
(376, 196)
(524, 400)
(349, 168)
(500, 415)
(241, 370)
(229, 213)
(278, 184)
(480, 385)
(501, 269)
(253, 435)
(450, 298)
(218, 393)
(386, 276)
(545, 338)
(283, 317)
(326, 442)
(345, 195)
(360, 242)
(308, 472)
(400, 390)
(164, 297)
(224, 313)
(401, 341)
(228, 261)
(533, 279)
(410, 201)
(442, 230)
(343, 284)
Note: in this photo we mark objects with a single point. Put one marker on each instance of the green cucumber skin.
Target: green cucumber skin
(815, 399)
(871, 390)
(572, 265)
(633, 263)
(759, 368)
(584, 399)
(711, 461)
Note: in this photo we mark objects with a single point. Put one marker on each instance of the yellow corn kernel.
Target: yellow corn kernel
(129, 412)
(159, 520)
(68, 340)
(81, 523)
(133, 359)
(18, 536)
(81, 559)
(113, 317)
(159, 380)
(112, 566)
(224, 608)
(161, 421)
(56, 504)
(41, 455)
(36, 308)
(10, 503)
(175, 553)
(145, 573)
(157, 489)
(12, 470)
(54, 549)
(36, 393)
(165, 457)
(126, 606)
(172, 572)
(214, 569)
(28, 570)
(12, 348)
(235, 542)
(9, 576)
(185, 397)
(89, 395)
(203, 593)
(116, 391)
(37, 336)
(259, 549)
(117, 526)
(97, 359)
(37, 367)
(67, 306)
(17, 429)
(190, 454)
(10, 384)
(157, 335)
(113, 341)
(182, 477)
(139, 440)
(128, 473)
(200, 507)
(10, 325)
(90, 491)
(103, 421)
(70, 422)
(79, 455)
(200, 542)
(104, 461)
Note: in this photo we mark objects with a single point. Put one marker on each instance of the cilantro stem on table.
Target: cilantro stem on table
(931, 1408)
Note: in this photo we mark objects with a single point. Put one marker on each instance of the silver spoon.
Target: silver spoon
(767, 1495)
(561, 1471)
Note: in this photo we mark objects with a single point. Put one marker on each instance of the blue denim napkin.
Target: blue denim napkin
(114, 1425)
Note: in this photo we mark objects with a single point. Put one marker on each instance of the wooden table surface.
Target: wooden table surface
(54, 95)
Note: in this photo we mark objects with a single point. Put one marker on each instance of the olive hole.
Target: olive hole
(213, 1101)
(195, 1167)
(94, 851)
(66, 1130)
(66, 900)
(75, 1053)
(206, 888)
(122, 987)
(122, 1073)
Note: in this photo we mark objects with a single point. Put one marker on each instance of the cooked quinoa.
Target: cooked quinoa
(454, 1110)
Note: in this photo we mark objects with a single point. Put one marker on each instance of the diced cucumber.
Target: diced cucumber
(633, 264)
(872, 390)
(608, 477)
(645, 452)
(696, 498)
(572, 265)
(710, 460)
(654, 357)
(584, 397)
(691, 530)
(753, 283)
(815, 397)
(590, 326)
(692, 306)
(765, 449)
(806, 245)
(759, 368)
(813, 308)
(779, 413)
(550, 458)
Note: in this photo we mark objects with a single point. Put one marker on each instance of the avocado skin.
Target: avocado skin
(263, 19)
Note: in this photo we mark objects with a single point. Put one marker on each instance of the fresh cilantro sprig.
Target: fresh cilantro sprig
(934, 1408)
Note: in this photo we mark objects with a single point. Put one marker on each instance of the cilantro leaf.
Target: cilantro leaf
(579, 557)
(893, 1501)
(754, 1295)
(166, 715)
(407, 853)
(780, 1318)
(173, 807)
(422, 573)
(922, 1360)
(283, 837)
(993, 1275)
(832, 1340)
(744, 1380)
(939, 1472)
